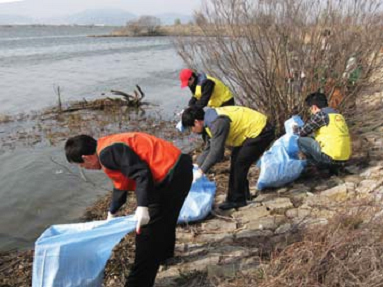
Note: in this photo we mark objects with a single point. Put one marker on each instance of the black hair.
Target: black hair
(191, 114)
(76, 147)
(318, 99)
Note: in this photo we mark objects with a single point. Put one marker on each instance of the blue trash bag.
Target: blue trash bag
(280, 164)
(71, 255)
(199, 201)
(75, 255)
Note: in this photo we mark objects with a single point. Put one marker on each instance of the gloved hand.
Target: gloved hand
(142, 217)
(110, 216)
(197, 174)
(195, 165)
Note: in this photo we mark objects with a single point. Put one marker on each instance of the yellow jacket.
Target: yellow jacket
(221, 93)
(245, 123)
(334, 139)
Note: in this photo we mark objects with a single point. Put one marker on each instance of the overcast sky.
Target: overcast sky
(48, 8)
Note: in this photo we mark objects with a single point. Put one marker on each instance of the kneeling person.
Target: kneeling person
(245, 130)
(331, 145)
(161, 177)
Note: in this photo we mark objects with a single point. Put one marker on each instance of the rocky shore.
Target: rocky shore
(317, 231)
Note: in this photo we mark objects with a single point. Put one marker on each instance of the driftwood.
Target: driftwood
(134, 101)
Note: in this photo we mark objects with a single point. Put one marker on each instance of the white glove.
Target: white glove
(197, 174)
(142, 217)
(110, 216)
(195, 165)
(180, 127)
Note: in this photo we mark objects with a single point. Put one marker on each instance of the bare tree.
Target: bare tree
(145, 25)
(273, 53)
(134, 28)
(150, 23)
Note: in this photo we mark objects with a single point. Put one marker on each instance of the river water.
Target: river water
(36, 192)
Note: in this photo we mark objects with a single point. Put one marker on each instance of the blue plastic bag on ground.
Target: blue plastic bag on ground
(280, 164)
(199, 201)
(75, 255)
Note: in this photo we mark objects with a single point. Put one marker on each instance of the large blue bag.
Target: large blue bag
(280, 164)
(75, 255)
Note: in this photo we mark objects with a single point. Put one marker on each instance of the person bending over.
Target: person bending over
(207, 91)
(161, 177)
(245, 130)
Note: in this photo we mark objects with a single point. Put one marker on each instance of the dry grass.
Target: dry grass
(346, 252)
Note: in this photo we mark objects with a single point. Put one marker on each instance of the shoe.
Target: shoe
(231, 204)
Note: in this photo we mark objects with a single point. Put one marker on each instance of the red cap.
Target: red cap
(185, 75)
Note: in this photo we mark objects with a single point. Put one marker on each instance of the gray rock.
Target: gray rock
(216, 224)
(200, 264)
(253, 233)
(279, 204)
(207, 237)
(251, 214)
(284, 228)
(223, 271)
(269, 222)
(337, 193)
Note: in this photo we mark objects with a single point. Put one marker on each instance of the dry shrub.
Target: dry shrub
(273, 53)
(346, 252)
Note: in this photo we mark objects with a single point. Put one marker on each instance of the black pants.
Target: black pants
(157, 239)
(241, 160)
(230, 102)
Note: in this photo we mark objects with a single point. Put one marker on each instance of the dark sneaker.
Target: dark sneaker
(230, 204)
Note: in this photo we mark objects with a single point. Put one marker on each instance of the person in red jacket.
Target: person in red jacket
(161, 177)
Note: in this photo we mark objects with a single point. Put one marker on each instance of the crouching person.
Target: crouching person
(160, 176)
(245, 130)
(331, 146)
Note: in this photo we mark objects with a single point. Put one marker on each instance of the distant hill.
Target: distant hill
(169, 18)
(108, 17)
(112, 17)
(15, 19)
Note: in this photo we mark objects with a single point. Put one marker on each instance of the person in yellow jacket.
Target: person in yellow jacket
(206, 90)
(331, 145)
(245, 130)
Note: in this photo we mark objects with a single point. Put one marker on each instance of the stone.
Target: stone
(371, 171)
(282, 190)
(304, 212)
(222, 271)
(283, 228)
(351, 186)
(253, 233)
(291, 213)
(230, 253)
(185, 236)
(353, 178)
(200, 264)
(265, 197)
(269, 222)
(322, 213)
(337, 193)
(250, 262)
(252, 213)
(368, 185)
(208, 237)
(216, 224)
(279, 204)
